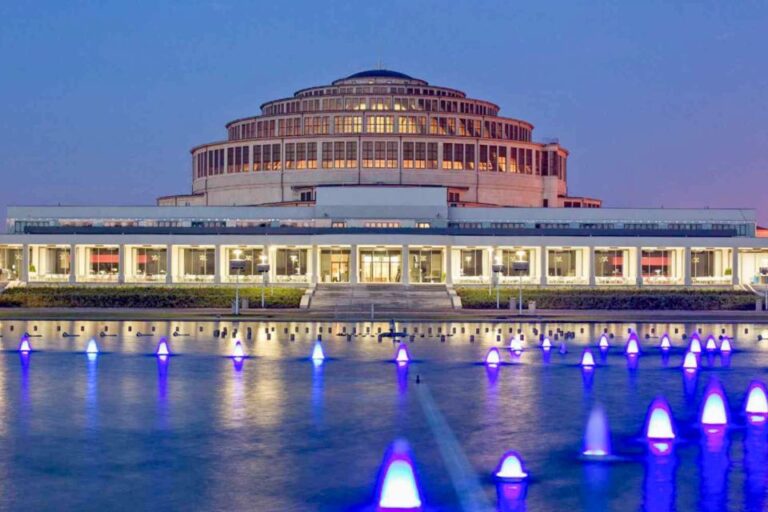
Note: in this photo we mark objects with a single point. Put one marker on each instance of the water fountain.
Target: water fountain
(633, 346)
(665, 343)
(603, 343)
(711, 345)
(587, 360)
(659, 428)
(546, 344)
(690, 363)
(238, 352)
(510, 468)
(516, 344)
(597, 437)
(714, 412)
(563, 348)
(162, 348)
(401, 356)
(695, 344)
(398, 488)
(318, 356)
(493, 357)
(24, 346)
(92, 348)
(756, 407)
(725, 345)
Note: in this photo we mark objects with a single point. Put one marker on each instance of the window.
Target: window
(150, 263)
(334, 265)
(199, 262)
(453, 197)
(339, 224)
(408, 155)
(290, 156)
(483, 160)
(103, 261)
(305, 196)
(291, 262)
(472, 262)
(432, 155)
(423, 225)
(609, 263)
(348, 124)
(380, 124)
(392, 155)
(657, 263)
(703, 264)
(426, 266)
(311, 155)
(562, 263)
(327, 155)
(251, 257)
(516, 262)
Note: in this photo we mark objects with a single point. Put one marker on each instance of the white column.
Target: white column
(735, 266)
(542, 266)
(590, 265)
(315, 265)
(353, 273)
(24, 270)
(218, 265)
(168, 264)
(122, 263)
(639, 266)
(405, 255)
(73, 260)
(687, 281)
(449, 264)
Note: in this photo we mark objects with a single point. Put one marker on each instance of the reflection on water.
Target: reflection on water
(274, 431)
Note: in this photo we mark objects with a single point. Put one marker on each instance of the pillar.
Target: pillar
(687, 280)
(122, 263)
(24, 270)
(73, 260)
(218, 265)
(168, 264)
(542, 266)
(449, 265)
(404, 267)
(735, 279)
(590, 266)
(639, 266)
(353, 274)
(315, 265)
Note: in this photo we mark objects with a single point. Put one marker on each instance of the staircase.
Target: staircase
(358, 298)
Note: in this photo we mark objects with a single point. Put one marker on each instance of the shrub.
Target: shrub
(145, 297)
(618, 299)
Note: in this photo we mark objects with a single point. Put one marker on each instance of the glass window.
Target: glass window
(10, 264)
(334, 265)
(513, 260)
(199, 262)
(432, 155)
(657, 263)
(703, 264)
(291, 262)
(150, 263)
(562, 263)
(103, 261)
(251, 256)
(472, 262)
(426, 266)
(380, 265)
(609, 263)
(55, 261)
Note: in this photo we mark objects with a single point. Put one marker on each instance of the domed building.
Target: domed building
(379, 127)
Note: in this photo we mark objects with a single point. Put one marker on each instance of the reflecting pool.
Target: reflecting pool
(202, 428)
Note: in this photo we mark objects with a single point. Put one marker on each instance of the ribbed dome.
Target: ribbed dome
(380, 73)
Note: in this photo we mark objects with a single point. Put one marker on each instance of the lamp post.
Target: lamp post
(497, 268)
(520, 266)
(263, 269)
(237, 265)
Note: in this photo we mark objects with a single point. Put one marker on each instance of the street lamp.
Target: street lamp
(237, 265)
(520, 266)
(263, 269)
(497, 267)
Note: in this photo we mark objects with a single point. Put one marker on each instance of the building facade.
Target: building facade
(382, 178)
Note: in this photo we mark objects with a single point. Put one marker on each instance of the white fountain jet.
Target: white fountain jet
(659, 428)
(511, 468)
(695, 344)
(546, 344)
(238, 352)
(633, 347)
(690, 364)
(401, 356)
(711, 345)
(24, 345)
(714, 413)
(603, 343)
(162, 348)
(92, 349)
(318, 356)
(516, 344)
(665, 343)
(597, 437)
(756, 407)
(398, 488)
(493, 357)
(725, 345)
(587, 359)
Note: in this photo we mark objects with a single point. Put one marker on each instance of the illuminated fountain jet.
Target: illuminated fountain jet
(725, 345)
(563, 347)
(659, 429)
(24, 345)
(665, 343)
(695, 344)
(398, 488)
(510, 468)
(690, 364)
(714, 413)
(711, 344)
(633, 346)
(756, 407)
(546, 344)
(401, 356)
(597, 437)
(493, 357)
(162, 348)
(587, 360)
(318, 356)
(516, 344)
(238, 352)
(603, 343)
(92, 348)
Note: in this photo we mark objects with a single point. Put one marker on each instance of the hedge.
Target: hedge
(643, 299)
(145, 297)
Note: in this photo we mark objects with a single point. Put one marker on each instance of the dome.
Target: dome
(379, 73)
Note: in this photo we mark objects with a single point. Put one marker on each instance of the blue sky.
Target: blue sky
(659, 103)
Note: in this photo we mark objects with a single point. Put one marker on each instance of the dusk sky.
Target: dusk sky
(659, 103)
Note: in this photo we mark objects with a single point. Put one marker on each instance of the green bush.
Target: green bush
(145, 297)
(670, 299)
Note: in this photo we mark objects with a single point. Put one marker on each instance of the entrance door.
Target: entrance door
(426, 266)
(380, 266)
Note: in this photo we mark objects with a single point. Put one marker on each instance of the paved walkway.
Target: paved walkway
(466, 315)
